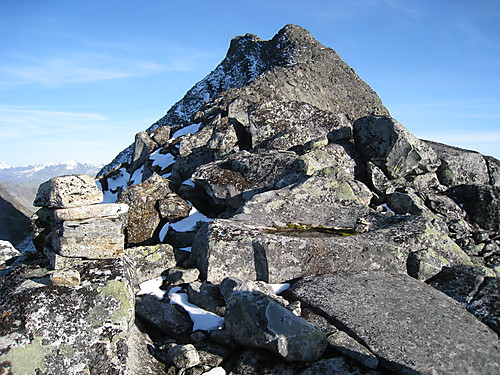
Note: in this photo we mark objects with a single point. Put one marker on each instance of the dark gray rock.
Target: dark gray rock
(493, 169)
(183, 356)
(486, 303)
(337, 366)
(207, 296)
(391, 147)
(460, 282)
(163, 316)
(143, 147)
(459, 166)
(481, 202)
(411, 327)
(255, 320)
(348, 346)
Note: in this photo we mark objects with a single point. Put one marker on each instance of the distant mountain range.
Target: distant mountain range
(39, 173)
(18, 187)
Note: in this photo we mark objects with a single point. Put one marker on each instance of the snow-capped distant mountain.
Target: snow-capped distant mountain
(39, 173)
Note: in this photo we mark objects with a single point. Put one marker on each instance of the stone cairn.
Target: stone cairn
(73, 225)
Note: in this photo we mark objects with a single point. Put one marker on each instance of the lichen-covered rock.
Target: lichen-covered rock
(143, 147)
(68, 191)
(173, 208)
(151, 261)
(255, 320)
(68, 331)
(183, 356)
(382, 311)
(390, 146)
(144, 217)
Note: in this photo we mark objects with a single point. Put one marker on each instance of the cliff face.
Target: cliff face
(281, 165)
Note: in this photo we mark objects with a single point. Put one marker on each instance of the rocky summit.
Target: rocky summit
(277, 220)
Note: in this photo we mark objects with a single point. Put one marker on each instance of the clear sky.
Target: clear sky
(78, 79)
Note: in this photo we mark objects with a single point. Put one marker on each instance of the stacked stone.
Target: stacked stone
(73, 225)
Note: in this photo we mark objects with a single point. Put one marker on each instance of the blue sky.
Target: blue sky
(78, 79)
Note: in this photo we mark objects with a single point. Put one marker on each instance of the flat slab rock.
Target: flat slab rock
(411, 327)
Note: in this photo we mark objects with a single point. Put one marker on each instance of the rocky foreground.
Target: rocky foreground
(277, 220)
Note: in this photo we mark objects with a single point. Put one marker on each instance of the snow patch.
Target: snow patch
(163, 232)
(202, 320)
(188, 182)
(215, 371)
(162, 160)
(189, 223)
(137, 176)
(152, 287)
(279, 288)
(190, 129)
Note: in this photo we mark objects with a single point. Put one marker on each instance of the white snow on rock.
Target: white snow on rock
(279, 288)
(161, 160)
(190, 129)
(189, 223)
(203, 320)
(152, 287)
(163, 232)
(215, 371)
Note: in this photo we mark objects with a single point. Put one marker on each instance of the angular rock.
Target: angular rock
(212, 354)
(91, 238)
(151, 261)
(68, 331)
(173, 208)
(459, 166)
(224, 248)
(68, 191)
(460, 282)
(41, 225)
(493, 169)
(409, 326)
(94, 211)
(390, 146)
(207, 296)
(163, 316)
(481, 202)
(255, 320)
(144, 217)
(143, 147)
(231, 285)
(337, 366)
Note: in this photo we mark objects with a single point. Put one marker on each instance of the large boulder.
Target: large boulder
(389, 145)
(225, 248)
(409, 325)
(68, 191)
(459, 166)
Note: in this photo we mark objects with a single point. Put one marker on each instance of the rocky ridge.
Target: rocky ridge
(281, 169)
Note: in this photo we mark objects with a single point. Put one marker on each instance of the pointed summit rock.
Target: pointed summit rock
(292, 66)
